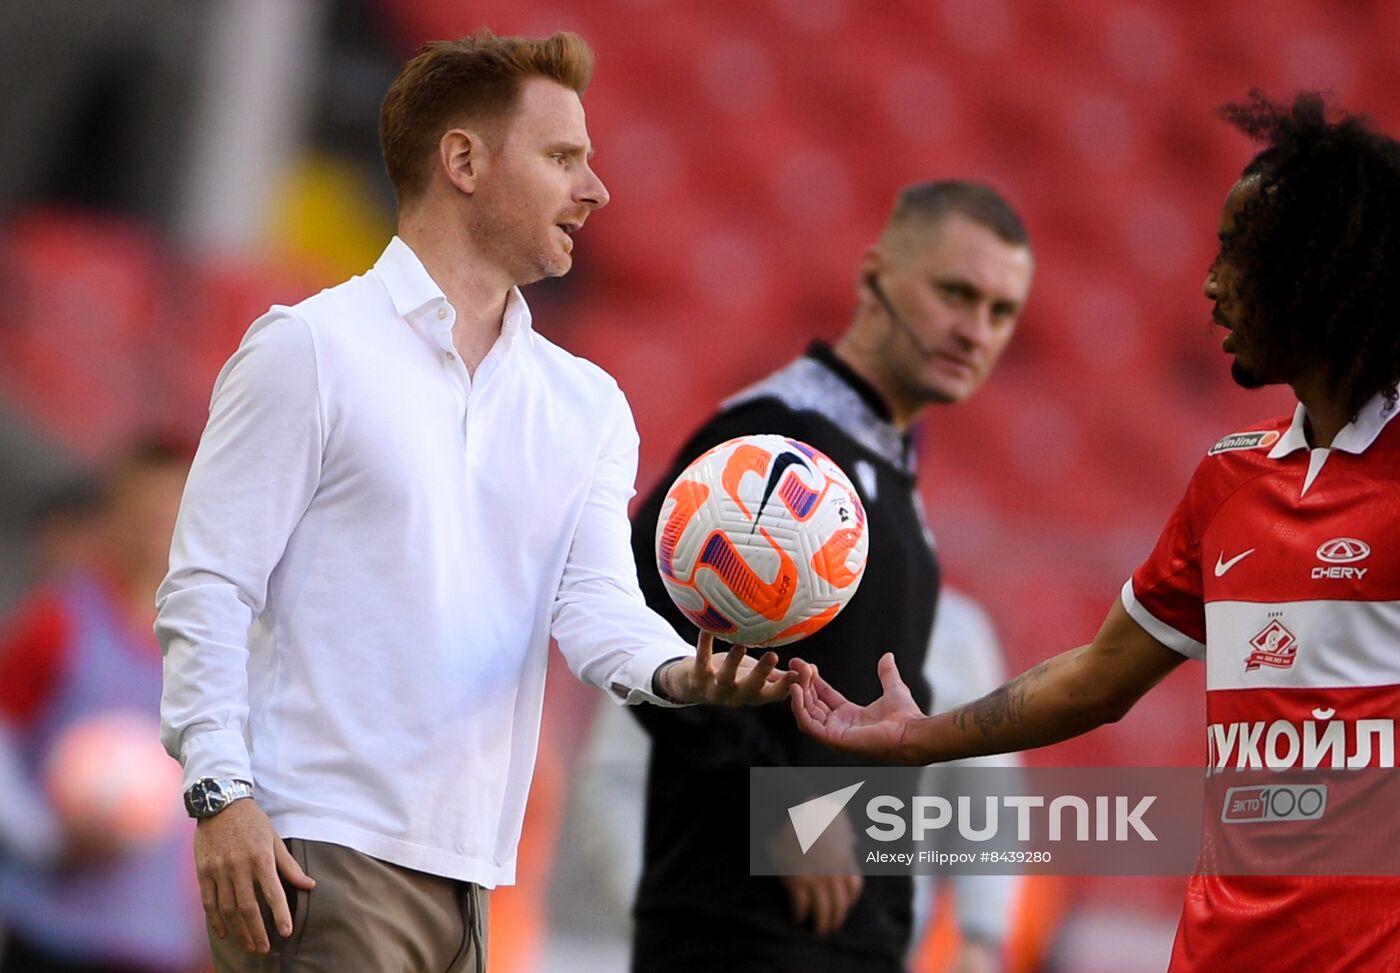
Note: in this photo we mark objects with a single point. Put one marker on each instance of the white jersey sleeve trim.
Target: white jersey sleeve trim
(1159, 629)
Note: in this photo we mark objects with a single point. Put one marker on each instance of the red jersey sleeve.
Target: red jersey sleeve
(32, 653)
(1165, 594)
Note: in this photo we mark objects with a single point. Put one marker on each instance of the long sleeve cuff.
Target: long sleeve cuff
(632, 683)
(215, 753)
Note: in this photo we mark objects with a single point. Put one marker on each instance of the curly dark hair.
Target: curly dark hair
(1318, 249)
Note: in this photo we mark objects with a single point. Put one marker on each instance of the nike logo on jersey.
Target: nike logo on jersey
(1222, 565)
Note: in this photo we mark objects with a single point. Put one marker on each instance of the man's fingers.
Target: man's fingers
(815, 706)
(290, 869)
(830, 899)
(704, 648)
(850, 892)
(246, 897)
(774, 690)
(771, 691)
(801, 895)
(763, 682)
(802, 710)
(276, 898)
(779, 683)
(818, 688)
(826, 692)
(840, 902)
(228, 908)
(822, 906)
(799, 708)
(729, 669)
(802, 669)
(857, 886)
(841, 899)
(889, 673)
(758, 675)
(209, 898)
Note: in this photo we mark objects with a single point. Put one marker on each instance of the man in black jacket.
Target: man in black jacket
(940, 294)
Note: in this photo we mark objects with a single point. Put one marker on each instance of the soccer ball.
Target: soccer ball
(111, 782)
(761, 541)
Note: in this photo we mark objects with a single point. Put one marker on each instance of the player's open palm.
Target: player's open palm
(875, 731)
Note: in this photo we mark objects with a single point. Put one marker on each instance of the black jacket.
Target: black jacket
(695, 860)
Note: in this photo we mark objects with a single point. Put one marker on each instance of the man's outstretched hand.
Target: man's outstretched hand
(736, 681)
(876, 731)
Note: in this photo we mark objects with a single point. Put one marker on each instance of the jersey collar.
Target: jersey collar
(1355, 437)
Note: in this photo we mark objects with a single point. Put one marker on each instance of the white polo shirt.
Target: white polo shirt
(372, 553)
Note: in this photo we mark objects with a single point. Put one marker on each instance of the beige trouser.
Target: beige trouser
(367, 916)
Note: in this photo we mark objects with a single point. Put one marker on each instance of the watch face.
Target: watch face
(205, 798)
(210, 795)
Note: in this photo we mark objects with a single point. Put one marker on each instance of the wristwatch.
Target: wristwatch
(210, 795)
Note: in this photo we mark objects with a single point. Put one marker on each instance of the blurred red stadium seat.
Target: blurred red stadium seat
(106, 334)
(82, 295)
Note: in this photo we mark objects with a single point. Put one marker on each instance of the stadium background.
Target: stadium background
(174, 166)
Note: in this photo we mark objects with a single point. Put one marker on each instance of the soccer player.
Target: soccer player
(939, 296)
(1280, 566)
(403, 491)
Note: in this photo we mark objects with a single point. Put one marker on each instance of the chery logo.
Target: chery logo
(1343, 550)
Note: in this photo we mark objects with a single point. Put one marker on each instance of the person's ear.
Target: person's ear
(868, 271)
(462, 158)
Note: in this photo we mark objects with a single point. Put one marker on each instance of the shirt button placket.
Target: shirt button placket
(459, 372)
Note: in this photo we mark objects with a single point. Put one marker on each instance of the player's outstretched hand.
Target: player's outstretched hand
(875, 731)
(736, 681)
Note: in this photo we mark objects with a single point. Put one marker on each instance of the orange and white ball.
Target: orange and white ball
(762, 541)
(112, 782)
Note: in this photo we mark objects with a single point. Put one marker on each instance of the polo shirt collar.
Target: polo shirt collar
(517, 322)
(1355, 437)
(411, 288)
(406, 279)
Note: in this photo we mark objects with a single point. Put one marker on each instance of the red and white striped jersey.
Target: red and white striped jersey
(1281, 569)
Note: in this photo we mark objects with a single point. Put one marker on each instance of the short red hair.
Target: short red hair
(471, 81)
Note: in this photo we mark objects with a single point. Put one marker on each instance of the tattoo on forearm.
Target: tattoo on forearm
(1004, 705)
